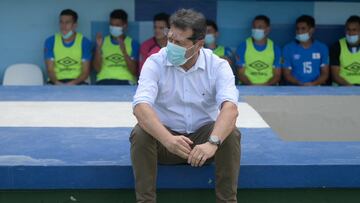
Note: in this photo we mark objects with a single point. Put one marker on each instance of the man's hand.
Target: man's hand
(70, 83)
(179, 145)
(58, 83)
(99, 40)
(309, 84)
(122, 45)
(201, 153)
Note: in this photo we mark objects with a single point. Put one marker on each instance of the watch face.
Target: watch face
(214, 139)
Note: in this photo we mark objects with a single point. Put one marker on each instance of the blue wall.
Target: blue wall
(26, 24)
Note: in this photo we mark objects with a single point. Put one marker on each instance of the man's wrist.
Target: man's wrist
(214, 140)
(216, 147)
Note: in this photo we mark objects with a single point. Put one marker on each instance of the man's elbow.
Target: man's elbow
(232, 108)
(139, 109)
(136, 110)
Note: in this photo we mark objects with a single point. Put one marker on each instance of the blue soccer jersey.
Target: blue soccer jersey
(305, 64)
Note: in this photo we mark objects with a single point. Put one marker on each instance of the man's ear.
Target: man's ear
(200, 43)
(311, 31)
(267, 31)
(125, 26)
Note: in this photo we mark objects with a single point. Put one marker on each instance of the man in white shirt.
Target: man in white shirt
(186, 107)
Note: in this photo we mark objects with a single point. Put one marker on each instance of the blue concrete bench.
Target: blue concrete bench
(98, 158)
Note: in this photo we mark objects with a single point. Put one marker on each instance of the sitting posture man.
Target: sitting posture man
(306, 60)
(181, 90)
(117, 54)
(258, 58)
(345, 55)
(158, 41)
(68, 53)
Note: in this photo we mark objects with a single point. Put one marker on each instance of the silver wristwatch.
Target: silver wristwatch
(215, 140)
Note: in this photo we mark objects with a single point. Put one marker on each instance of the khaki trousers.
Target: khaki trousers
(147, 152)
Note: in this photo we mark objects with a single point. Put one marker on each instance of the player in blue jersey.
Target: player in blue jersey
(306, 60)
(67, 54)
(258, 57)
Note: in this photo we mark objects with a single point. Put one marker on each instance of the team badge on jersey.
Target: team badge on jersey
(316, 55)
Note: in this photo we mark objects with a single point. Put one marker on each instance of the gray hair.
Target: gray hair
(188, 18)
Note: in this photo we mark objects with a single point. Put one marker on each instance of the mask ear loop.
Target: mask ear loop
(192, 54)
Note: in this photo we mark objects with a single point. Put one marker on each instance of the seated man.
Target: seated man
(117, 54)
(345, 55)
(68, 53)
(258, 58)
(181, 90)
(306, 59)
(212, 34)
(158, 41)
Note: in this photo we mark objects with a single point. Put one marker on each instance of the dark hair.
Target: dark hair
(309, 20)
(119, 14)
(188, 18)
(353, 19)
(212, 24)
(69, 12)
(162, 17)
(263, 18)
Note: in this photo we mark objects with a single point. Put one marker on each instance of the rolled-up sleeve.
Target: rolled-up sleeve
(225, 85)
(147, 89)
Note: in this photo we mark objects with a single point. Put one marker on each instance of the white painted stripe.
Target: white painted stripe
(91, 115)
(249, 117)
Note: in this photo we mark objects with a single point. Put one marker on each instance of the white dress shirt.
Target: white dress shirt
(186, 100)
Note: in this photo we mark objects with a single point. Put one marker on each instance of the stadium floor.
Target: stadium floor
(184, 196)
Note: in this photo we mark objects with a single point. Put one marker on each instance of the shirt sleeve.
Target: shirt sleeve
(135, 50)
(287, 57)
(277, 60)
(324, 55)
(49, 48)
(240, 55)
(86, 47)
(335, 54)
(147, 89)
(225, 85)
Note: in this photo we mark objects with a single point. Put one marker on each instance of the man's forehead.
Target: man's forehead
(65, 17)
(117, 21)
(353, 25)
(183, 33)
(160, 22)
(210, 28)
(259, 22)
(302, 24)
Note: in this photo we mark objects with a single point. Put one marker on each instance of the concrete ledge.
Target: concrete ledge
(98, 158)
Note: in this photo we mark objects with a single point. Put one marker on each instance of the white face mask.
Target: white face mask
(209, 39)
(352, 39)
(303, 37)
(67, 35)
(116, 31)
(258, 34)
(176, 54)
